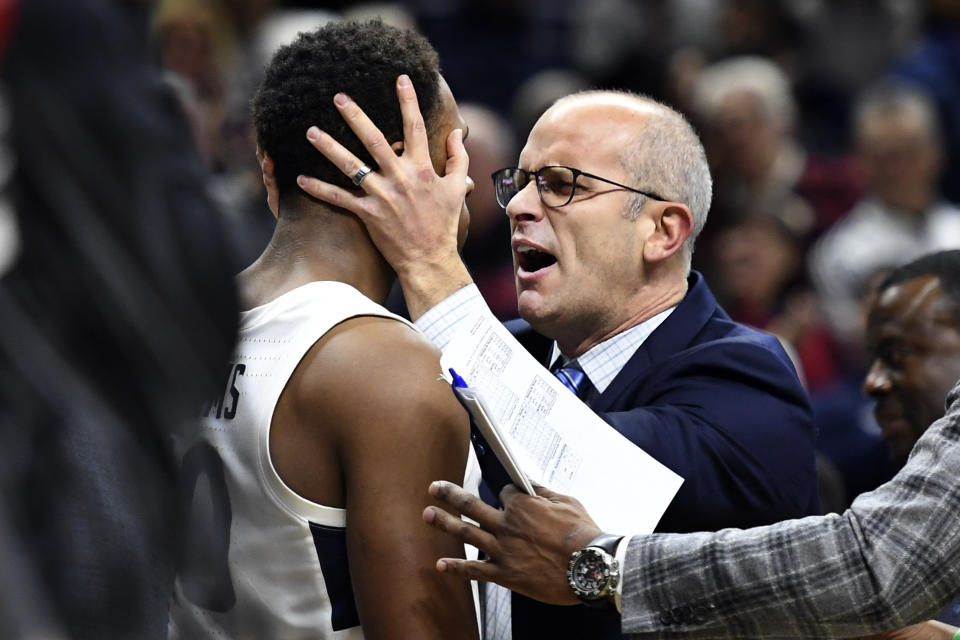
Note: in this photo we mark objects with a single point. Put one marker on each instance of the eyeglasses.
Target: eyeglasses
(556, 185)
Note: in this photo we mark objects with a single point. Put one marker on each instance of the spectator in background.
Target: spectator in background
(620, 43)
(902, 215)
(683, 68)
(759, 28)
(538, 92)
(191, 47)
(631, 45)
(760, 273)
(845, 46)
(491, 146)
(934, 65)
(208, 50)
(395, 14)
(746, 110)
(490, 46)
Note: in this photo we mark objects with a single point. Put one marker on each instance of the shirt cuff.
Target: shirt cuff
(442, 320)
(621, 556)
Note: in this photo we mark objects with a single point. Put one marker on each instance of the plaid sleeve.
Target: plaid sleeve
(890, 560)
(441, 322)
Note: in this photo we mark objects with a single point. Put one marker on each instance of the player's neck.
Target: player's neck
(321, 245)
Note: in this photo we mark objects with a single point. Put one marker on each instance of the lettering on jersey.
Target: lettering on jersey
(225, 406)
(204, 569)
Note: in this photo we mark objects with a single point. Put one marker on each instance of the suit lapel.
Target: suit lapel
(673, 336)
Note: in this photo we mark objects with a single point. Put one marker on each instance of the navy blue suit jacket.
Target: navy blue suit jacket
(718, 403)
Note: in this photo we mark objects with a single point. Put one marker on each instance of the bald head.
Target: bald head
(654, 143)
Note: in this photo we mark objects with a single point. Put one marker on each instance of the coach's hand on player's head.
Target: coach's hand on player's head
(528, 544)
(411, 212)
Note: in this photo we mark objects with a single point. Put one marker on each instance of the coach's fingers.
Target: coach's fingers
(469, 569)
(414, 130)
(466, 503)
(510, 493)
(339, 155)
(460, 529)
(332, 194)
(371, 137)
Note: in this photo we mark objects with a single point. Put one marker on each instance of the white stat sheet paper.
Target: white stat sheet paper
(554, 438)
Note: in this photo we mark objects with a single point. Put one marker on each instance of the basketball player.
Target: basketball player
(334, 416)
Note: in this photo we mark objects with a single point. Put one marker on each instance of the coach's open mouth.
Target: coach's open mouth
(531, 259)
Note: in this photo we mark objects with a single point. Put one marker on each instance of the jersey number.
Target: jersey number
(204, 570)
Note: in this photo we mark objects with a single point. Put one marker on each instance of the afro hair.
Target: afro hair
(361, 59)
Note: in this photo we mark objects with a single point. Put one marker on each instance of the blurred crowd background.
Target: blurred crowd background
(832, 128)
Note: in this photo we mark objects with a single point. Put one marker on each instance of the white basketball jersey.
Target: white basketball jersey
(267, 563)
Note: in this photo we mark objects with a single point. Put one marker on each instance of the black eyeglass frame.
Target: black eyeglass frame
(573, 187)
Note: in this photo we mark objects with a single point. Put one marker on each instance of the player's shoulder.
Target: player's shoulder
(378, 341)
(369, 364)
(378, 382)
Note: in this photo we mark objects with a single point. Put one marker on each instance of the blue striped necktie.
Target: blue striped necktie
(572, 377)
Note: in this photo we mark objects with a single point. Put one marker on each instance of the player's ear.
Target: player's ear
(269, 180)
(397, 147)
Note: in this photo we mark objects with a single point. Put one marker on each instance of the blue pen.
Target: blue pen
(458, 382)
(479, 443)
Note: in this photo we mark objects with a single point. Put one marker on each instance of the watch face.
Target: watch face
(590, 574)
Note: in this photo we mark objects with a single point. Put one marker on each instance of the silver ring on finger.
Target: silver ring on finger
(361, 174)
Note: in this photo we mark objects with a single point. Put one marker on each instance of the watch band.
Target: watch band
(606, 541)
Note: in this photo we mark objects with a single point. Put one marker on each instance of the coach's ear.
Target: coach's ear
(673, 224)
(269, 180)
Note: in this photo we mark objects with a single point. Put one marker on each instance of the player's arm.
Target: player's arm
(398, 427)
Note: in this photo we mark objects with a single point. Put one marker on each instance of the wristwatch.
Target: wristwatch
(593, 572)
